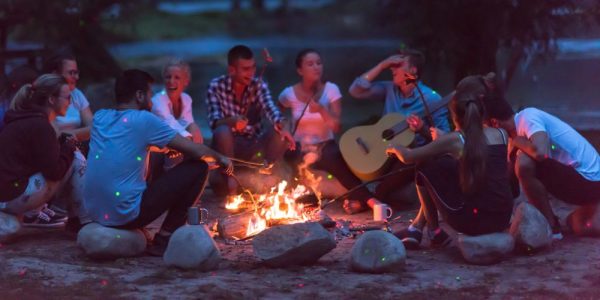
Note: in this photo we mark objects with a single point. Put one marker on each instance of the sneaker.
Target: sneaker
(159, 245)
(42, 220)
(440, 239)
(410, 238)
(54, 214)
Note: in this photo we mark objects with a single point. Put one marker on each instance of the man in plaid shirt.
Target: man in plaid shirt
(236, 102)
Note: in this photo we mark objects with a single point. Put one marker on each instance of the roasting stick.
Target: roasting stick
(365, 183)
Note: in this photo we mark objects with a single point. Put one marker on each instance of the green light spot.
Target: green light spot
(97, 156)
(553, 147)
(259, 154)
(383, 259)
(118, 236)
(118, 194)
(329, 176)
(139, 158)
(366, 251)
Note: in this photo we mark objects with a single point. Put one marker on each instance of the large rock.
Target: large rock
(105, 242)
(377, 252)
(585, 221)
(485, 249)
(530, 228)
(192, 247)
(9, 226)
(294, 244)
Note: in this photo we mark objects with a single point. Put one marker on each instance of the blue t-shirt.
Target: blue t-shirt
(115, 175)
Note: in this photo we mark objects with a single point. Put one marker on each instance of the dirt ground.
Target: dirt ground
(44, 264)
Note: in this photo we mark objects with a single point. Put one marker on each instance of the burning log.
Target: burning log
(234, 226)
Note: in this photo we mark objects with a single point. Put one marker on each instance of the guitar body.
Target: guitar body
(363, 147)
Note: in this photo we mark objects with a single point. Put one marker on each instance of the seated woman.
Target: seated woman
(462, 174)
(174, 106)
(76, 123)
(78, 119)
(34, 163)
(316, 108)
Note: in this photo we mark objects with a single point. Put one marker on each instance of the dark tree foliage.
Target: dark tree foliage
(467, 35)
(65, 24)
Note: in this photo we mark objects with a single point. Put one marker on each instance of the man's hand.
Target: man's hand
(285, 135)
(415, 123)
(239, 123)
(226, 164)
(392, 61)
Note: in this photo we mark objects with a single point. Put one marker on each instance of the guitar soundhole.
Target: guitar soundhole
(387, 134)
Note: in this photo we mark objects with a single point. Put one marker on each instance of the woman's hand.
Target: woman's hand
(436, 133)
(397, 151)
(314, 107)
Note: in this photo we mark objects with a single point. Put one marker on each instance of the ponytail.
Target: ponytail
(473, 158)
(35, 95)
(22, 98)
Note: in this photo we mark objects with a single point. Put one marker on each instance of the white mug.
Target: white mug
(381, 212)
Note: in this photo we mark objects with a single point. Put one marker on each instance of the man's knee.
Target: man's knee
(524, 166)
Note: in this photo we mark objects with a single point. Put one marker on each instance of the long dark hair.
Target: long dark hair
(468, 111)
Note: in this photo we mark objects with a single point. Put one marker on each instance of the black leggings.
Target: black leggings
(176, 190)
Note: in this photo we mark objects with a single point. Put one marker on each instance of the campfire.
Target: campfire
(282, 205)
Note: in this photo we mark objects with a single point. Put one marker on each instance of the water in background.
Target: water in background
(568, 86)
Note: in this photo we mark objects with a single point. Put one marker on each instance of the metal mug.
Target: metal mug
(197, 215)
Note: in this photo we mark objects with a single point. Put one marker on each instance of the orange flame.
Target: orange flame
(275, 207)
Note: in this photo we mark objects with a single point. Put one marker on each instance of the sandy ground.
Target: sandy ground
(49, 265)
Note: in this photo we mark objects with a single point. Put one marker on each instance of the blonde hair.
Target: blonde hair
(36, 95)
(180, 63)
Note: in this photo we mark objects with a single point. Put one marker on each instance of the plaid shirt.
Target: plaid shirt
(220, 100)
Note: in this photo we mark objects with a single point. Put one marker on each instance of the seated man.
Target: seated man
(402, 96)
(549, 156)
(235, 103)
(116, 193)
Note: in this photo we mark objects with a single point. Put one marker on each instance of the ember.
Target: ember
(276, 207)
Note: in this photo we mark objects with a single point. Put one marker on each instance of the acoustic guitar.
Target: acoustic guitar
(363, 147)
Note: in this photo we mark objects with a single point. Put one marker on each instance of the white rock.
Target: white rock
(105, 242)
(487, 248)
(294, 244)
(377, 252)
(585, 221)
(529, 228)
(192, 247)
(9, 226)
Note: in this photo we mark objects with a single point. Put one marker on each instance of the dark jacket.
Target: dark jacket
(28, 145)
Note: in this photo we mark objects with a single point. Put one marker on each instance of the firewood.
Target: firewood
(234, 226)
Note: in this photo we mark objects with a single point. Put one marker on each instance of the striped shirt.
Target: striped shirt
(221, 104)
